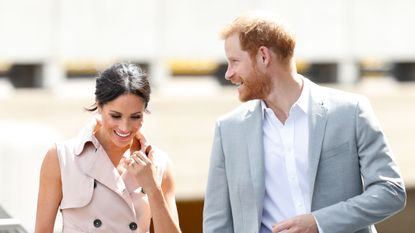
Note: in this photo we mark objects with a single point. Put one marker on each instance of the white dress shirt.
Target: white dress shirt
(287, 193)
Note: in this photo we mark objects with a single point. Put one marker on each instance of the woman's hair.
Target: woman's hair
(121, 79)
(255, 30)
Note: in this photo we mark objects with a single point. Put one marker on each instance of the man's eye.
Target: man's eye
(136, 117)
(115, 116)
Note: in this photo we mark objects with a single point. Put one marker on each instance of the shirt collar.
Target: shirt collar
(264, 109)
(302, 101)
(304, 98)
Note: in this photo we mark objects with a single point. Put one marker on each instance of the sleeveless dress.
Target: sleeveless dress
(96, 198)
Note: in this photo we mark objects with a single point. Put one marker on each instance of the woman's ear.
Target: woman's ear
(98, 119)
(99, 108)
(98, 116)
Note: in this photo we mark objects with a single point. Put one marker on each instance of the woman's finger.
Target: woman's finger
(138, 158)
(150, 155)
(144, 157)
(129, 162)
(148, 149)
(142, 140)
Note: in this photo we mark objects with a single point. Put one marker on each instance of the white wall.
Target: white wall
(24, 30)
(139, 29)
(102, 29)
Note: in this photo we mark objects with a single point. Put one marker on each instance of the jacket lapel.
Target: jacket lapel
(253, 139)
(317, 126)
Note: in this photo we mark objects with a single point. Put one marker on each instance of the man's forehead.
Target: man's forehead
(232, 42)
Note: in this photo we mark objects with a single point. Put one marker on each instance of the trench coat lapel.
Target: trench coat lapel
(97, 165)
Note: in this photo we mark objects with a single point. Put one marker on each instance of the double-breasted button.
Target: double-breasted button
(133, 226)
(97, 223)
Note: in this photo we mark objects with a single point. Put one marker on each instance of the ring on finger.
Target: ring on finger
(132, 162)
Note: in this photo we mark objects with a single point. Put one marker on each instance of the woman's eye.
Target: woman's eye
(136, 117)
(115, 116)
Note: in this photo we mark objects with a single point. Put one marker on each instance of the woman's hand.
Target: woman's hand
(142, 168)
(140, 143)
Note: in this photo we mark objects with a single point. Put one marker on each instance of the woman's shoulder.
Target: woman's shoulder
(51, 154)
(160, 157)
(50, 164)
(66, 147)
(161, 160)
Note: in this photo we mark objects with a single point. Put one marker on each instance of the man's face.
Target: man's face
(242, 71)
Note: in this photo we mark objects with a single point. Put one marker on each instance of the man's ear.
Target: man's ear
(264, 55)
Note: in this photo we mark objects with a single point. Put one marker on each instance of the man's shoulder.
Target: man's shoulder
(239, 113)
(335, 96)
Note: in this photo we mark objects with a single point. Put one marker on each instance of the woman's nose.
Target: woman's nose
(124, 126)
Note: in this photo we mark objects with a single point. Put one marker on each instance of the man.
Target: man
(295, 157)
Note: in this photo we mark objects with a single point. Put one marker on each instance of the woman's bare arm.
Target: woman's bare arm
(50, 193)
(163, 205)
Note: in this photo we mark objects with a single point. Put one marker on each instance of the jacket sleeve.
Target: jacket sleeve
(384, 192)
(217, 214)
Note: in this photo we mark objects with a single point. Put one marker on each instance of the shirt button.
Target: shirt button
(97, 223)
(133, 226)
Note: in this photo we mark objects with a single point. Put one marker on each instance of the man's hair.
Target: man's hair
(256, 30)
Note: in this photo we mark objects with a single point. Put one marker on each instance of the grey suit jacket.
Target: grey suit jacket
(353, 177)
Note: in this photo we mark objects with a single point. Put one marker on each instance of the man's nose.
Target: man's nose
(229, 73)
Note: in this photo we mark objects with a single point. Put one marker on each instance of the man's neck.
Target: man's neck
(285, 92)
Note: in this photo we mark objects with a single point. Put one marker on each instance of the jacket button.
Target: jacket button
(97, 223)
(95, 183)
(133, 226)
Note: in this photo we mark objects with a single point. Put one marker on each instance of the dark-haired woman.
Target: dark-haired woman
(109, 179)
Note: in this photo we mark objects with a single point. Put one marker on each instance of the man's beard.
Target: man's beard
(258, 87)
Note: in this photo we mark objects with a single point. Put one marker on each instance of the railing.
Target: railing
(9, 224)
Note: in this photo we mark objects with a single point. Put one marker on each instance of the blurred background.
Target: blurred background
(50, 51)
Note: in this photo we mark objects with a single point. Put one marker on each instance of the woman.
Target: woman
(109, 179)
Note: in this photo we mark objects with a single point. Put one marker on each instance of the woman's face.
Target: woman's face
(121, 119)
